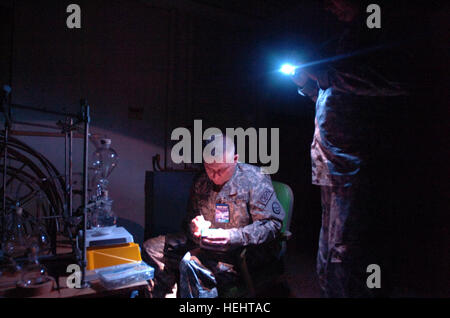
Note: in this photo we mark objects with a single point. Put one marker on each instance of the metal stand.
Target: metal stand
(5, 171)
(86, 120)
(68, 164)
(68, 127)
(6, 111)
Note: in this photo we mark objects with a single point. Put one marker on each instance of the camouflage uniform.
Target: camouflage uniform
(255, 220)
(344, 94)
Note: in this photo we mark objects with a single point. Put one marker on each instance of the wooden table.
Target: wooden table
(8, 289)
(8, 284)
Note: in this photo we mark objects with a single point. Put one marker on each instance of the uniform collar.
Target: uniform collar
(230, 187)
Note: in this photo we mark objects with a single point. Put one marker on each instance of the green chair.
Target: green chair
(286, 197)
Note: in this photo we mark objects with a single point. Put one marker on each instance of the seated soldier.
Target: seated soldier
(233, 205)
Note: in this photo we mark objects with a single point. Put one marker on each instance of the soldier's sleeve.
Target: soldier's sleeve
(266, 212)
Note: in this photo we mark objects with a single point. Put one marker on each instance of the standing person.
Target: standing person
(345, 92)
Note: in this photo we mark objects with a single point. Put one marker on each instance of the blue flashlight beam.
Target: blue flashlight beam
(289, 69)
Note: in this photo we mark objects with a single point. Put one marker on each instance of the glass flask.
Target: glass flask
(40, 238)
(33, 273)
(103, 219)
(104, 161)
(17, 239)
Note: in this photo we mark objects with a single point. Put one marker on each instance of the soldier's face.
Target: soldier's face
(219, 173)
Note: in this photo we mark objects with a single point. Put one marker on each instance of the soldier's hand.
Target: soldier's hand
(217, 237)
(198, 224)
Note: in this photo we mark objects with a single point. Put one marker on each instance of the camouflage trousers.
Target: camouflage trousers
(343, 254)
(200, 273)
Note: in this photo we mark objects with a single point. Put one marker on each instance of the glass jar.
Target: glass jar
(103, 163)
(103, 219)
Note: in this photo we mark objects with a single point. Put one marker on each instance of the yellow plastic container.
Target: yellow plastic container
(101, 256)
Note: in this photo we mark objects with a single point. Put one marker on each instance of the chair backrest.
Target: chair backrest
(286, 197)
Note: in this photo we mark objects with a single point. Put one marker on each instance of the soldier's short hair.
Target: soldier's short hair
(223, 141)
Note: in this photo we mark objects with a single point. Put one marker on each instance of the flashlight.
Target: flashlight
(288, 69)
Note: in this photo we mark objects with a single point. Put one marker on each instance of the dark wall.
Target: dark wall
(147, 69)
(144, 70)
(6, 16)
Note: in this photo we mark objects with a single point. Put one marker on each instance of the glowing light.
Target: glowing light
(288, 69)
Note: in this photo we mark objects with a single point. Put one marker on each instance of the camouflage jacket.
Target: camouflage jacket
(344, 92)
(255, 214)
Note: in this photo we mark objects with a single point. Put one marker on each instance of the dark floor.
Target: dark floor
(299, 279)
(301, 276)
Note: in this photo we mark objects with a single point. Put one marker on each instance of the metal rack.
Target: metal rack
(67, 129)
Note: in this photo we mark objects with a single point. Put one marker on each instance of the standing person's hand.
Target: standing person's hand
(301, 76)
(198, 224)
